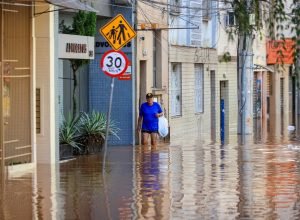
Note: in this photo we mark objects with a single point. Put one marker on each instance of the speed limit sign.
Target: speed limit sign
(114, 63)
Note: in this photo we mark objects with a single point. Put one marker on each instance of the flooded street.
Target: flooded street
(169, 182)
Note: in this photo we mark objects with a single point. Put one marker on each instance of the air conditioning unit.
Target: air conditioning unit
(175, 7)
(230, 19)
(206, 13)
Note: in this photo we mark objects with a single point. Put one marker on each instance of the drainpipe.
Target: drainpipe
(297, 71)
(1, 107)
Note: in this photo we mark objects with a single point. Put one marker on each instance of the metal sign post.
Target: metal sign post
(114, 64)
(108, 118)
(118, 33)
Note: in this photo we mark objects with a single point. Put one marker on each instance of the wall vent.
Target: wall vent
(38, 110)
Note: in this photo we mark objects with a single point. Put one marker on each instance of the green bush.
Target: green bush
(69, 133)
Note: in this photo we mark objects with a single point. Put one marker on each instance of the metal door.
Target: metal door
(213, 105)
(15, 73)
(222, 121)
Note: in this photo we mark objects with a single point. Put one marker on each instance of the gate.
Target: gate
(15, 72)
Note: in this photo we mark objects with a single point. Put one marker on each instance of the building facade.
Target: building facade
(193, 71)
(28, 71)
(227, 78)
(32, 80)
(152, 52)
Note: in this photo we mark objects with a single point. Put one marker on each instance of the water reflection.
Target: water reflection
(151, 191)
(252, 181)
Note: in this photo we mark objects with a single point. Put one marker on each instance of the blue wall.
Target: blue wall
(99, 86)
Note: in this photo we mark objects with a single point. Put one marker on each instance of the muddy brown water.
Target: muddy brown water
(254, 181)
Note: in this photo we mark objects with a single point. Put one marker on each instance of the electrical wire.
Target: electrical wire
(162, 45)
(186, 21)
(181, 17)
(186, 15)
(44, 2)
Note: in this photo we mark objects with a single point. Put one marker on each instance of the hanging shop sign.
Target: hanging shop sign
(76, 47)
(280, 51)
(114, 63)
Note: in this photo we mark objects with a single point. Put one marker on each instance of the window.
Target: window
(199, 88)
(195, 20)
(230, 19)
(157, 59)
(176, 96)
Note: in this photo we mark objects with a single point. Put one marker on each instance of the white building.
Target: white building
(194, 82)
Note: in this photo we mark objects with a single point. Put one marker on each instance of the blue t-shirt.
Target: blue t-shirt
(148, 112)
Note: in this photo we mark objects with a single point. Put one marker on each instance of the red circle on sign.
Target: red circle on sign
(114, 63)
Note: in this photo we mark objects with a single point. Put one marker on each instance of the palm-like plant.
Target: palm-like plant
(68, 132)
(92, 128)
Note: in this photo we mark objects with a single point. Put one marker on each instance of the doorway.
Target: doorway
(224, 120)
(213, 105)
(15, 84)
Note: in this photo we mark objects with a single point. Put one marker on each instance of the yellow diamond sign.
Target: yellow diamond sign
(117, 32)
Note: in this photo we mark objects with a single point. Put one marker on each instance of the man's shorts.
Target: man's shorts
(149, 132)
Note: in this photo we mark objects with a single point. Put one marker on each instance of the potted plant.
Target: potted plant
(92, 128)
(68, 137)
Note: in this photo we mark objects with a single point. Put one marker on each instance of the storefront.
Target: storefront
(29, 72)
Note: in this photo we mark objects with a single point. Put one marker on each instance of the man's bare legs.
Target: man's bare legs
(145, 137)
(154, 137)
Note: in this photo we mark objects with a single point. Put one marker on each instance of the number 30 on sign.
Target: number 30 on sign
(114, 63)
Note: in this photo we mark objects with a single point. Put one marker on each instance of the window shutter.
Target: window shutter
(199, 89)
(196, 14)
(176, 98)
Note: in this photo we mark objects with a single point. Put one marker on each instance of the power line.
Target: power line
(169, 11)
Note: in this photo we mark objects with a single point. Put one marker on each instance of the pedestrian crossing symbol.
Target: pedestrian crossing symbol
(117, 32)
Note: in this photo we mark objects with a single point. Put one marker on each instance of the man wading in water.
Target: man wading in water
(150, 111)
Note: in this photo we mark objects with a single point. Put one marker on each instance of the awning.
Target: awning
(258, 67)
(72, 4)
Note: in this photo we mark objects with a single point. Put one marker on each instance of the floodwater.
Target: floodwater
(254, 181)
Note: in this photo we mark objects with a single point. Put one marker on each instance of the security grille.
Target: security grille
(15, 84)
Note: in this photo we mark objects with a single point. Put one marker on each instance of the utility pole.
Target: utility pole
(134, 72)
(245, 82)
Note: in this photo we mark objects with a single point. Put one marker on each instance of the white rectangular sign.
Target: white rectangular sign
(76, 47)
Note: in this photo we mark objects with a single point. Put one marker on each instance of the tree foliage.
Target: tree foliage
(274, 17)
